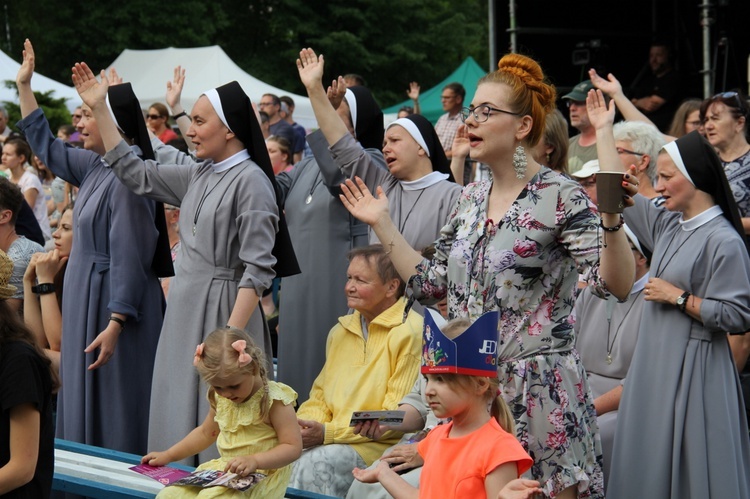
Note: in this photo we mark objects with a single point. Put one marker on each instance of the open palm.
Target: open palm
(92, 91)
(310, 67)
(26, 71)
(361, 203)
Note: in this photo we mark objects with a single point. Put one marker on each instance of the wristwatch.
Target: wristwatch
(43, 289)
(682, 301)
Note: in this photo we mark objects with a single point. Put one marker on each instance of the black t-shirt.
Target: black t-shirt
(25, 379)
(667, 86)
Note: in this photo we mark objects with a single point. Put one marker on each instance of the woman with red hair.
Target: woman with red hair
(516, 244)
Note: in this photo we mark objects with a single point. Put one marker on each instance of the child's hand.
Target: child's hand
(520, 488)
(156, 459)
(243, 465)
(370, 475)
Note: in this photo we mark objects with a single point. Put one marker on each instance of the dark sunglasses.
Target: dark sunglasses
(153, 116)
(731, 96)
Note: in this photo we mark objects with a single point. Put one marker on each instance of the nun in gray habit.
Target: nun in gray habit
(234, 241)
(681, 429)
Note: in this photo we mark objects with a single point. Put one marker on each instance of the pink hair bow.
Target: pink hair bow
(244, 357)
(198, 354)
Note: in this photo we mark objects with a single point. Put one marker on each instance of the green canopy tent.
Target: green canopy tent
(468, 74)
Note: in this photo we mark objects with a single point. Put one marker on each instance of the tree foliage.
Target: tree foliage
(54, 108)
(388, 42)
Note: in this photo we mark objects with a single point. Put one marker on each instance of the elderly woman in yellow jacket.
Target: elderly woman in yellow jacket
(372, 361)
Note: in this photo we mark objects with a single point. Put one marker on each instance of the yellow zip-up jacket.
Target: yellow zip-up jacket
(365, 375)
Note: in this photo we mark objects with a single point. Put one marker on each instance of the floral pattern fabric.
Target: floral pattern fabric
(526, 266)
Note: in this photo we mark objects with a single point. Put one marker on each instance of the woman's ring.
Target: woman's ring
(361, 197)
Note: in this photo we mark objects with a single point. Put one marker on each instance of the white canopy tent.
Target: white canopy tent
(9, 70)
(206, 67)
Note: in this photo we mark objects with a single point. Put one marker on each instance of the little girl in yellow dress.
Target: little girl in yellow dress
(252, 421)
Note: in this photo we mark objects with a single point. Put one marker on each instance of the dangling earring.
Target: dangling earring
(519, 162)
(548, 158)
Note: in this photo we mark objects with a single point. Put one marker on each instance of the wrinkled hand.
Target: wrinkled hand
(174, 87)
(156, 459)
(370, 475)
(26, 71)
(106, 342)
(413, 92)
(403, 457)
(336, 92)
(49, 264)
(92, 92)
(520, 488)
(600, 115)
(661, 291)
(461, 145)
(313, 433)
(370, 429)
(242, 465)
(310, 68)
(611, 86)
(360, 203)
(30, 274)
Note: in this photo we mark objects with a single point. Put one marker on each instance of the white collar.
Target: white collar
(424, 182)
(639, 284)
(231, 161)
(701, 218)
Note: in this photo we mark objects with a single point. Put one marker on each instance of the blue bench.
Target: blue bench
(103, 474)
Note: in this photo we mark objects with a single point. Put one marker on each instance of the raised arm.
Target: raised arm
(373, 210)
(26, 97)
(613, 89)
(616, 265)
(174, 93)
(94, 94)
(310, 67)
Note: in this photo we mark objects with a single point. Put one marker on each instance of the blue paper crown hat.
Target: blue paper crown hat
(473, 352)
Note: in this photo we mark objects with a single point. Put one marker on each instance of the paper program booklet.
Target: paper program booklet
(206, 478)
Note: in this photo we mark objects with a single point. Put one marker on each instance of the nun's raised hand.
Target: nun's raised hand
(93, 93)
(174, 87)
(26, 71)
(361, 203)
(114, 78)
(600, 115)
(310, 67)
(336, 92)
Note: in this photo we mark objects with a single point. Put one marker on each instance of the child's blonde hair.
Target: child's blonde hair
(499, 409)
(217, 358)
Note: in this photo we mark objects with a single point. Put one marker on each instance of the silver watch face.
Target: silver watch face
(680, 300)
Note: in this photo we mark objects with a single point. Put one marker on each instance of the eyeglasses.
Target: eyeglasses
(620, 150)
(153, 116)
(482, 113)
(264, 104)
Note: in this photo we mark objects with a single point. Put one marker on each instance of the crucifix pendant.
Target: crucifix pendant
(193, 229)
(609, 359)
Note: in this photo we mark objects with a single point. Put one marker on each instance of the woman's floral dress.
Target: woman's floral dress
(526, 266)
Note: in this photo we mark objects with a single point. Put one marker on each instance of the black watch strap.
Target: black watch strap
(683, 300)
(43, 289)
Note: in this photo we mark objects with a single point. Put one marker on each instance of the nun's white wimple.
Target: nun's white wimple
(674, 153)
(215, 100)
(411, 127)
(112, 113)
(351, 100)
